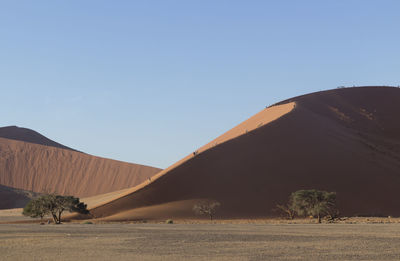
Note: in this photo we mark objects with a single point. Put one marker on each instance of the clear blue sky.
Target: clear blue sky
(150, 81)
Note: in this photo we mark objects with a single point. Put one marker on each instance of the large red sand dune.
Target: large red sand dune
(51, 168)
(344, 140)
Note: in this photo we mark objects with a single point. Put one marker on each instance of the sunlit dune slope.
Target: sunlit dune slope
(42, 168)
(343, 140)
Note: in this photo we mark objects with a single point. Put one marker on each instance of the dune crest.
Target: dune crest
(262, 118)
(28, 135)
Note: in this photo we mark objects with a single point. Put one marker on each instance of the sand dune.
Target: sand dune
(14, 198)
(44, 168)
(343, 140)
(28, 135)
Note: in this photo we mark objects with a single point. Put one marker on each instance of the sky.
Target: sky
(149, 82)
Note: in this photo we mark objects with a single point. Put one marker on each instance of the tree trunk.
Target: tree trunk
(59, 217)
(291, 214)
(54, 218)
(319, 218)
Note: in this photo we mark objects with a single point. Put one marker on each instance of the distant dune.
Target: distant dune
(29, 161)
(28, 135)
(344, 140)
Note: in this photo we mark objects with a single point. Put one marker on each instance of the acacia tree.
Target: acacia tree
(313, 202)
(207, 207)
(54, 205)
(36, 208)
(59, 204)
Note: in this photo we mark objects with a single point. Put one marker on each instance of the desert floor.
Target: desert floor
(200, 242)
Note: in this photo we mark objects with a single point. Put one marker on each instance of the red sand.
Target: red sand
(43, 168)
(343, 140)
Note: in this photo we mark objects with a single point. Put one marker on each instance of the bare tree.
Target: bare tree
(287, 209)
(207, 207)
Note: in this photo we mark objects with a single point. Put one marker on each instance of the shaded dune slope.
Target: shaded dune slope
(28, 135)
(343, 140)
(41, 168)
(14, 198)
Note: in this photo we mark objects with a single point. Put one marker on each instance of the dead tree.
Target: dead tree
(207, 207)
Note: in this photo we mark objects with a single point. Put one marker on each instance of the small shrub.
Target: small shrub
(207, 207)
(169, 221)
(87, 222)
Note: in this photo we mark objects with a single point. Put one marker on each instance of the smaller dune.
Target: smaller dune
(31, 162)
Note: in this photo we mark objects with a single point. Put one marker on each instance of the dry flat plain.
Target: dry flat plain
(200, 242)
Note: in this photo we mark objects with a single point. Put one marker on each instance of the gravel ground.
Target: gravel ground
(200, 242)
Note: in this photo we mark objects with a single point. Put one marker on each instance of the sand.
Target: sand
(42, 168)
(15, 215)
(28, 135)
(200, 242)
(14, 198)
(342, 140)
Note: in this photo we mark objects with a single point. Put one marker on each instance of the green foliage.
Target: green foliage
(87, 222)
(169, 221)
(36, 208)
(313, 202)
(55, 205)
(207, 207)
